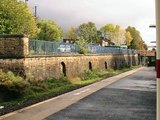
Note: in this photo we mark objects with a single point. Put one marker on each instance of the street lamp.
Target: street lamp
(153, 41)
(157, 26)
(157, 4)
(152, 26)
(26, 1)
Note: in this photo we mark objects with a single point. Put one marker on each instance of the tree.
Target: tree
(145, 46)
(118, 34)
(16, 18)
(71, 34)
(87, 31)
(49, 30)
(82, 46)
(128, 38)
(137, 42)
(108, 31)
(113, 33)
(122, 36)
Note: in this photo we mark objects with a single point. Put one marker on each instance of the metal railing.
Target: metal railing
(39, 47)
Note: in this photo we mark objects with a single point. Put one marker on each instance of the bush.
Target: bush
(54, 83)
(88, 75)
(82, 46)
(12, 85)
(50, 83)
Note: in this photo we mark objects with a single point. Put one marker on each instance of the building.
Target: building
(105, 42)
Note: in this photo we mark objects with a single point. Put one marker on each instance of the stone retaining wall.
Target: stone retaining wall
(13, 46)
(40, 68)
(14, 56)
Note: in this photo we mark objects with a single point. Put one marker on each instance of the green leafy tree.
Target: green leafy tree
(122, 36)
(113, 33)
(49, 30)
(118, 34)
(145, 46)
(88, 32)
(16, 18)
(128, 38)
(137, 42)
(71, 34)
(108, 31)
(82, 46)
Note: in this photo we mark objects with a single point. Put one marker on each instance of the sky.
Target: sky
(66, 13)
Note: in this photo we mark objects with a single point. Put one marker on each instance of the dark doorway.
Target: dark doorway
(63, 68)
(90, 66)
(105, 65)
(115, 66)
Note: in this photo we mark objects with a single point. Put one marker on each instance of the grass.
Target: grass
(89, 77)
(41, 90)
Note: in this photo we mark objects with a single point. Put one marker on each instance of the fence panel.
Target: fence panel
(39, 47)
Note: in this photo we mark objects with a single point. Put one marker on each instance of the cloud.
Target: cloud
(138, 13)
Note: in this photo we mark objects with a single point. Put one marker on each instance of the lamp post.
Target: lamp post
(26, 1)
(157, 4)
(157, 26)
(152, 26)
(35, 11)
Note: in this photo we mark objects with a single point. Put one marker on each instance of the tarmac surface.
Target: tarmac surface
(131, 98)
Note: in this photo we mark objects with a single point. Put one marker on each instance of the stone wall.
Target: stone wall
(42, 67)
(14, 65)
(14, 56)
(13, 46)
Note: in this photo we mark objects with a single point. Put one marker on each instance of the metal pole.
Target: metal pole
(157, 4)
(26, 1)
(35, 11)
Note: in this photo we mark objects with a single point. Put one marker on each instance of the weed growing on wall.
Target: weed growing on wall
(11, 85)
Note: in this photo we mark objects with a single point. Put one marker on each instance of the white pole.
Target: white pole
(157, 4)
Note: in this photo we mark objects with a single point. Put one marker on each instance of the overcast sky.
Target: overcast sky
(67, 13)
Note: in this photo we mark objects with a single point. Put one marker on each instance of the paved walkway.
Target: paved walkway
(130, 98)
